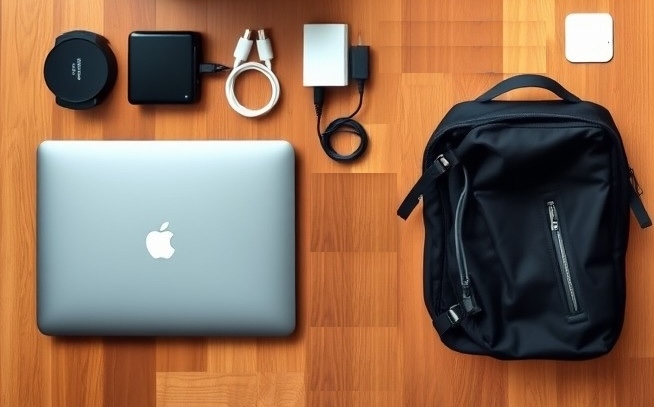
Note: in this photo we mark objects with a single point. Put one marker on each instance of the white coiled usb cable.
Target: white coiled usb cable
(241, 54)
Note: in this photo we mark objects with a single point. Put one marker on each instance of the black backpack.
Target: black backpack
(526, 215)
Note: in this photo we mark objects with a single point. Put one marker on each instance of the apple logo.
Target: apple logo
(158, 243)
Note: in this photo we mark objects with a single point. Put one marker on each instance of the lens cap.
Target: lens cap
(80, 70)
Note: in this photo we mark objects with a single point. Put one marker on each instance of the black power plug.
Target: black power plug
(359, 61)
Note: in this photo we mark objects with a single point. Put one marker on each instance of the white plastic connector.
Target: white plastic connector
(264, 48)
(243, 48)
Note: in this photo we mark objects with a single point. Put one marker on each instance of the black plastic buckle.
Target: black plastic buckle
(449, 319)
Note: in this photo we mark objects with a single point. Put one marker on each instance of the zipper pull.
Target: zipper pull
(636, 203)
(440, 166)
(468, 300)
(634, 182)
(554, 219)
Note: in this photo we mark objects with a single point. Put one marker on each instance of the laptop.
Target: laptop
(166, 238)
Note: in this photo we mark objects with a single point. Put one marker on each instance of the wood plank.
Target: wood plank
(353, 359)
(232, 355)
(353, 212)
(633, 385)
(25, 116)
(181, 355)
(281, 355)
(354, 399)
(281, 390)
(211, 389)
(592, 383)
(354, 289)
(75, 366)
(532, 384)
(203, 389)
(129, 372)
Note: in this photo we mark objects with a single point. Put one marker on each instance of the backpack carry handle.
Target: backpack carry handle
(528, 81)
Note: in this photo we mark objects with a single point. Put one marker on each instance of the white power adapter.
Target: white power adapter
(325, 55)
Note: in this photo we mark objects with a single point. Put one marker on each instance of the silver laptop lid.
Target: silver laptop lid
(154, 238)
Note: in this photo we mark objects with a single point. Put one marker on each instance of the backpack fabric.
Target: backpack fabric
(526, 216)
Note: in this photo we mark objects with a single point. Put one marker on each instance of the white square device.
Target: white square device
(589, 37)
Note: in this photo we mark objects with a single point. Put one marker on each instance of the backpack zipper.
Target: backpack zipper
(562, 259)
(467, 296)
(500, 118)
(635, 203)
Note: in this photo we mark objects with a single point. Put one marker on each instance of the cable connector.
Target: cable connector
(264, 48)
(243, 48)
(212, 68)
(318, 99)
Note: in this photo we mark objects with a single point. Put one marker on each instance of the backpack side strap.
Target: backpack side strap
(442, 164)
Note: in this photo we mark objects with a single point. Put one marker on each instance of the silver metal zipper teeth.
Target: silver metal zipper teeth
(562, 256)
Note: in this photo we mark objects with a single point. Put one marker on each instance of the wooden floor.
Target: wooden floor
(364, 337)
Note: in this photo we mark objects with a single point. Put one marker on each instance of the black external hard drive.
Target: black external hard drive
(164, 67)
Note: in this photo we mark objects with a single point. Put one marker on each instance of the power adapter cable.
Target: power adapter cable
(359, 58)
(208, 67)
(241, 54)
